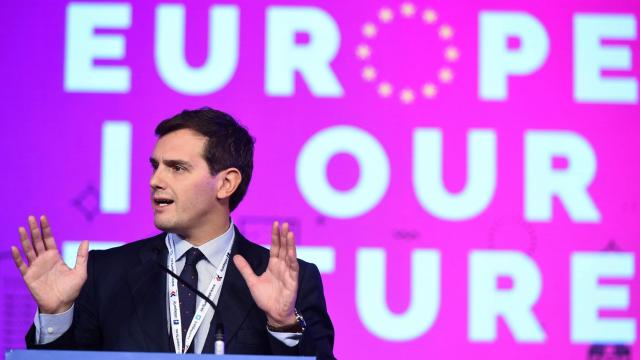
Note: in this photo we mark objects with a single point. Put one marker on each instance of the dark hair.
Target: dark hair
(229, 144)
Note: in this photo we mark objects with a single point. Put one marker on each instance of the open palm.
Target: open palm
(275, 290)
(51, 282)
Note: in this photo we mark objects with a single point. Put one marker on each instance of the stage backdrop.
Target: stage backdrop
(464, 173)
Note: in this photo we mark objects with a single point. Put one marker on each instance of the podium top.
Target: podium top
(109, 355)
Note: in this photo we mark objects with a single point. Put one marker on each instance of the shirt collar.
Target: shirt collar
(213, 250)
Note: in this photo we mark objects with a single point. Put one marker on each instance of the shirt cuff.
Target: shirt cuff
(49, 327)
(289, 339)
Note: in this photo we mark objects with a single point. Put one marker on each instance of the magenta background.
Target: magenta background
(51, 145)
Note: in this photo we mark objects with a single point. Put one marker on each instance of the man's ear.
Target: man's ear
(228, 181)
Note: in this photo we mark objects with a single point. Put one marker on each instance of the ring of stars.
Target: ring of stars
(406, 94)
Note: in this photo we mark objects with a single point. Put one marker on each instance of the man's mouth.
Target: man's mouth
(162, 202)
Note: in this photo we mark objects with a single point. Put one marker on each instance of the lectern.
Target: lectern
(107, 355)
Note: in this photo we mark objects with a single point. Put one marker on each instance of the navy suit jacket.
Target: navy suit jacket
(122, 306)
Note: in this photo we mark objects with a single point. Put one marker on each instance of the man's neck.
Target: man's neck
(200, 237)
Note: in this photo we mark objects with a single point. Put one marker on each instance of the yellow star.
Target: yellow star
(407, 96)
(385, 15)
(451, 53)
(429, 16)
(369, 73)
(429, 90)
(369, 30)
(445, 32)
(445, 75)
(363, 52)
(385, 89)
(407, 9)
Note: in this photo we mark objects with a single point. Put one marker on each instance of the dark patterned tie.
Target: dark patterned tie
(187, 298)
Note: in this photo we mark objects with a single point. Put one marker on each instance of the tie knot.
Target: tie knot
(193, 256)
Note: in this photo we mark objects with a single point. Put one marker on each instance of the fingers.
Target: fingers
(83, 256)
(245, 270)
(49, 241)
(37, 245)
(282, 253)
(18, 260)
(26, 245)
(36, 236)
(275, 240)
(292, 257)
(283, 245)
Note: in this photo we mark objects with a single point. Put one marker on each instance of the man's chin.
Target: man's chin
(164, 226)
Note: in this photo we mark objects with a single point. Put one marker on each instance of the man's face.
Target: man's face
(183, 191)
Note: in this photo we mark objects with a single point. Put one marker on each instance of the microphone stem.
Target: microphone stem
(179, 279)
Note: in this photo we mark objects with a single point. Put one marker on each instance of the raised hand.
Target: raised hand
(276, 289)
(51, 282)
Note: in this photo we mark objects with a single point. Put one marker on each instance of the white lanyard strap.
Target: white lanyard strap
(202, 306)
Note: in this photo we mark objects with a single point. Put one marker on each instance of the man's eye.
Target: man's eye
(178, 168)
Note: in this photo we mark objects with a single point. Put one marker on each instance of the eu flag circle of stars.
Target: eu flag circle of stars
(429, 89)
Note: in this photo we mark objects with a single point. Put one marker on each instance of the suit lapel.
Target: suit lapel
(235, 300)
(148, 288)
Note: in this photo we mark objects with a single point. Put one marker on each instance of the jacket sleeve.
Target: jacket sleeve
(84, 332)
(317, 339)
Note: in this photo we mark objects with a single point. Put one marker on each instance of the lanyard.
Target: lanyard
(202, 306)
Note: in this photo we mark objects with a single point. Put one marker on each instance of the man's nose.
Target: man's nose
(157, 180)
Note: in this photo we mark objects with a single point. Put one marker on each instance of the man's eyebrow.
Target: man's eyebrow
(172, 163)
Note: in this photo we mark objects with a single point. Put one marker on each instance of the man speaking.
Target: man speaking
(124, 299)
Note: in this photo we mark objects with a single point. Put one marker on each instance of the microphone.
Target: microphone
(219, 344)
(219, 334)
(181, 281)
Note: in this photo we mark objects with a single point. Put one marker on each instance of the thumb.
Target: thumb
(83, 256)
(245, 269)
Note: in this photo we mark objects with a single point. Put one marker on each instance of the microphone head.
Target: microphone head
(219, 332)
(219, 343)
